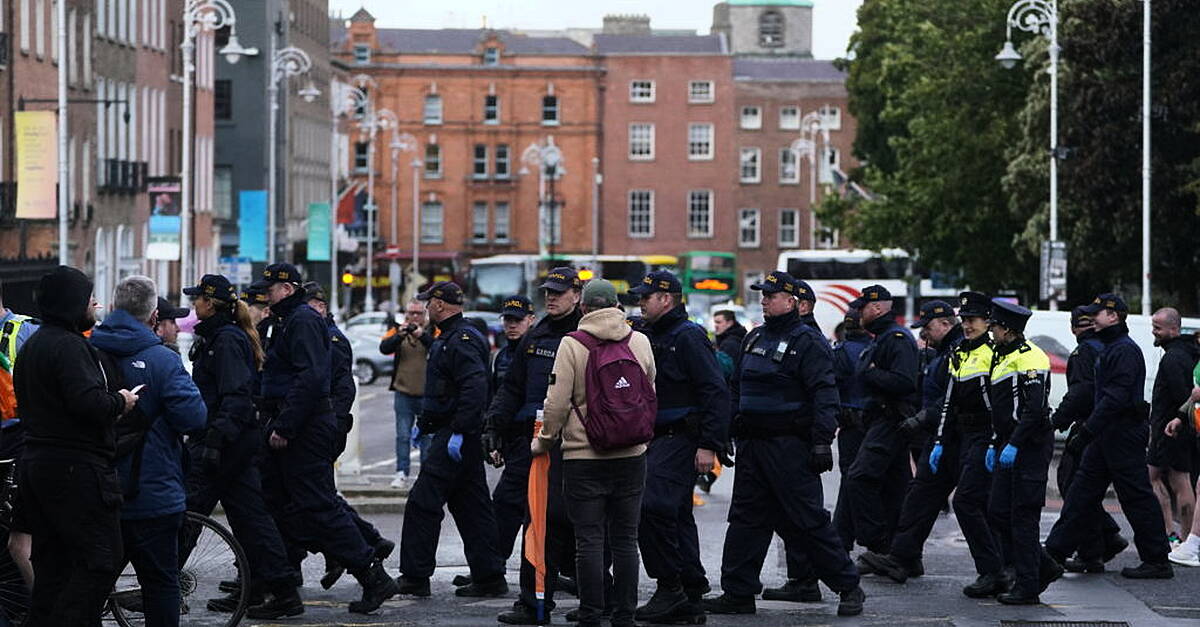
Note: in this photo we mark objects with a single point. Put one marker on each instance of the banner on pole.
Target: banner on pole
(318, 231)
(37, 165)
(165, 222)
(252, 224)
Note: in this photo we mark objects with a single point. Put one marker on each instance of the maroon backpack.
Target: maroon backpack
(620, 399)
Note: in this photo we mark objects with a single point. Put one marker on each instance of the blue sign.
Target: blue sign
(252, 224)
(318, 231)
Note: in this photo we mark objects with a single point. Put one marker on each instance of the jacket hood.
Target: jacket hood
(63, 298)
(122, 335)
(1185, 343)
(605, 324)
(737, 331)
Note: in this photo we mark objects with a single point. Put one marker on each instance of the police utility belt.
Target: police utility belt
(677, 421)
(973, 422)
(756, 430)
(270, 408)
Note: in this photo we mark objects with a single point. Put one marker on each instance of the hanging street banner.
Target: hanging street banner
(318, 231)
(252, 224)
(165, 221)
(37, 164)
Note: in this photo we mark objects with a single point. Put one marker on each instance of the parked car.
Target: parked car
(369, 363)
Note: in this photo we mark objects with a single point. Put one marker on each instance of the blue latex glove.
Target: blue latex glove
(989, 459)
(454, 447)
(1008, 456)
(415, 436)
(935, 456)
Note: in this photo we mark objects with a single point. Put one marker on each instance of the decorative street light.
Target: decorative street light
(1041, 17)
(345, 98)
(199, 15)
(290, 61)
(401, 142)
(547, 158)
(812, 129)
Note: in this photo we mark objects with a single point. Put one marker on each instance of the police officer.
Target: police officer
(692, 426)
(256, 299)
(456, 388)
(1019, 456)
(954, 460)
(1112, 442)
(342, 392)
(1076, 405)
(508, 427)
(298, 474)
(784, 392)
(516, 317)
(889, 373)
(853, 400)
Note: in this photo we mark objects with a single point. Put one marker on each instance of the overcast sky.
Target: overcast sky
(834, 19)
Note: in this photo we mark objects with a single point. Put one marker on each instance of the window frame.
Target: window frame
(710, 198)
(362, 54)
(756, 216)
(556, 120)
(650, 95)
(430, 101)
(491, 56)
(478, 160)
(651, 141)
(506, 161)
(426, 220)
(756, 120)
(794, 242)
(693, 99)
(365, 157)
(711, 141)
(790, 124)
(774, 20)
(479, 236)
(831, 117)
(785, 154)
(502, 236)
(649, 217)
(437, 160)
(756, 152)
(491, 107)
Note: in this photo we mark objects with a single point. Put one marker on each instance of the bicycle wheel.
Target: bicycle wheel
(14, 594)
(211, 555)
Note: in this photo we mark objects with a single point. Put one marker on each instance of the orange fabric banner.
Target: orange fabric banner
(535, 531)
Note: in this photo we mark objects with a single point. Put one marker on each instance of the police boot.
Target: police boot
(494, 587)
(696, 591)
(522, 614)
(1049, 571)
(1013, 598)
(413, 586)
(278, 605)
(567, 585)
(1079, 564)
(461, 580)
(730, 604)
(865, 567)
(227, 604)
(377, 587)
(796, 591)
(988, 585)
(893, 567)
(1149, 570)
(333, 572)
(669, 605)
(1113, 545)
(573, 615)
(383, 549)
(230, 585)
(852, 602)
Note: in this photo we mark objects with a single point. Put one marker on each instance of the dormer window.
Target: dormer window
(362, 53)
(491, 55)
(770, 29)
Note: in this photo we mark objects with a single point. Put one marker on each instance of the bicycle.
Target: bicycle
(211, 557)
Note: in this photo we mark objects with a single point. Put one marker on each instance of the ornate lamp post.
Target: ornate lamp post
(290, 61)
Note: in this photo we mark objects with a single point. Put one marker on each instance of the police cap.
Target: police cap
(562, 279)
(516, 306)
(213, 286)
(1107, 300)
(974, 305)
(314, 291)
(657, 281)
(280, 273)
(779, 281)
(446, 291)
(1009, 315)
(932, 310)
(167, 311)
(1080, 317)
(871, 294)
(255, 295)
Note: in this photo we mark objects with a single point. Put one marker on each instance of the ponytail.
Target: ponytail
(241, 314)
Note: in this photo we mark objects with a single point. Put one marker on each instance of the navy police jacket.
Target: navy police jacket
(295, 377)
(224, 370)
(341, 382)
(1076, 404)
(689, 379)
(889, 369)
(845, 369)
(456, 378)
(523, 388)
(1120, 377)
(784, 379)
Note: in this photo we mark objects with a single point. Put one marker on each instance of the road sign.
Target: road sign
(1053, 270)
(237, 269)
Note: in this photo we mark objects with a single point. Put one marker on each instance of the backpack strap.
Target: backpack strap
(588, 340)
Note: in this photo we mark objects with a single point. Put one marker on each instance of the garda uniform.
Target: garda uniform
(1113, 441)
(888, 369)
(853, 400)
(456, 388)
(784, 392)
(693, 413)
(1020, 387)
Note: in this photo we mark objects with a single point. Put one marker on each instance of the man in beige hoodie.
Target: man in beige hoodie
(603, 489)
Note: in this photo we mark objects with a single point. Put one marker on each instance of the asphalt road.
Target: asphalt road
(930, 600)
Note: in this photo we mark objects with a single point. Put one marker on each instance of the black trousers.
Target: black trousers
(1101, 523)
(849, 439)
(510, 497)
(667, 534)
(77, 549)
(1115, 458)
(881, 465)
(961, 470)
(461, 486)
(300, 493)
(1015, 510)
(774, 491)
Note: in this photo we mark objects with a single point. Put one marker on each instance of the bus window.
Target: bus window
(877, 268)
(491, 283)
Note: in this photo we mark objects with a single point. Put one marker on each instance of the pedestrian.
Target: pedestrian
(298, 473)
(15, 329)
(226, 355)
(1104, 541)
(151, 473)
(730, 333)
(516, 318)
(167, 329)
(342, 390)
(1019, 456)
(691, 428)
(954, 459)
(1170, 460)
(602, 486)
(1188, 553)
(67, 473)
(1112, 443)
(456, 389)
(508, 425)
(889, 374)
(852, 398)
(409, 343)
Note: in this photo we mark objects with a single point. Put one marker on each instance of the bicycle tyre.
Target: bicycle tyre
(216, 556)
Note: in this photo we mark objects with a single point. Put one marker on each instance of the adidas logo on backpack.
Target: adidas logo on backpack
(621, 383)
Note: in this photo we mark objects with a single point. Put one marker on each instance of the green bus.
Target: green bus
(709, 276)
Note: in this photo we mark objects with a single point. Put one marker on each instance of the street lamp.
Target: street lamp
(290, 61)
(401, 142)
(199, 15)
(344, 98)
(812, 127)
(547, 158)
(1041, 17)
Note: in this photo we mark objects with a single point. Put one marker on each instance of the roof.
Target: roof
(362, 15)
(787, 69)
(772, 3)
(465, 41)
(660, 44)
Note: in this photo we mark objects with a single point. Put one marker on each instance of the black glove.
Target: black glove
(1061, 422)
(345, 423)
(913, 423)
(492, 443)
(735, 426)
(211, 456)
(726, 456)
(821, 459)
(1079, 439)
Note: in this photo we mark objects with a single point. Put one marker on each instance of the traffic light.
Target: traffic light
(347, 278)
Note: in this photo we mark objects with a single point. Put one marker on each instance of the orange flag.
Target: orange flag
(535, 530)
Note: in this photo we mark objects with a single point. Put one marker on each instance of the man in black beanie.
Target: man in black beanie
(68, 485)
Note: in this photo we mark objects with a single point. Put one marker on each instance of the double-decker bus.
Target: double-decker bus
(491, 279)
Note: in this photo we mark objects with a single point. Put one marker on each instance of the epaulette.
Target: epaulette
(1024, 348)
(899, 333)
